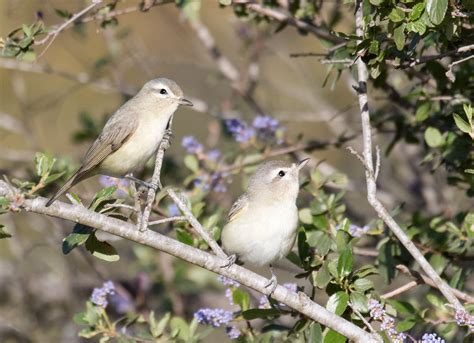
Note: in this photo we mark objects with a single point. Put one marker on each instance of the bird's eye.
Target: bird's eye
(281, 173)
(163, 91)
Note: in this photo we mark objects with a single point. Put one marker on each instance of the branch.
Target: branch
(51, 36)
(298, 301)
(371, 182)
(290, 20)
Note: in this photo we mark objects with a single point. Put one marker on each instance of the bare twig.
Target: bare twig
(128, 207)
(297, 301)
(361, 317)
(167, 220)
(290, 20)
(449, 73)
(51, 36)
(424, 59)
(156, 178)
(399, 290)
(371, 182)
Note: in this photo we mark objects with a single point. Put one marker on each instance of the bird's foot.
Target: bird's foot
(146, 184)
(166, 140)
(272, 285)
(230, 261)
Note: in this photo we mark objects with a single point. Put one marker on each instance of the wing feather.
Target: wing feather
(239, 207)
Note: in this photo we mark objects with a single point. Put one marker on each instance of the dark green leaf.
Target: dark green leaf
(184, 236)
(345, 262)
(406, 324)
(337, 303)
(101, 196)
(363, 284)
(402, 307)
(334, 337)
(79, 236)
(102, 250)
(260, 313)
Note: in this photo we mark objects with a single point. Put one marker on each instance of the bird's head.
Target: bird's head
(164, 93)
(276, 180)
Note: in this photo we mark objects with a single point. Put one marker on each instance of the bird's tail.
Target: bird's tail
(69, 183)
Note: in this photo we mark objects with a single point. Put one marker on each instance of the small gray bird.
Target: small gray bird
(131, 135)
(261, 225)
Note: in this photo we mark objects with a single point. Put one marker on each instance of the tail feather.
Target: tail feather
(69, 183)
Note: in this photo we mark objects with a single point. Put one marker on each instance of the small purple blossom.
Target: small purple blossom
(99, 295)
(376, 309)
(464, 318)
(229, 295)
(191, 145)
(227, 282)
(121, 184)
(213, 155)
(213, 316)
(265, 124)
(232, 332)
(173, 210)
(432, 338)
(354, 230)
(377, 312)
(240, 130)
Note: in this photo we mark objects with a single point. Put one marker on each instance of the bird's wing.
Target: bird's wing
(239, 207)
(113, 136)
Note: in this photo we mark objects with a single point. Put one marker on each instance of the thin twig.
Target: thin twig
(399, 290)
(361, 317)
(128, 207)
(167, 220)
(371, 182)
(51, 36)
(449, 73)
(156, 178)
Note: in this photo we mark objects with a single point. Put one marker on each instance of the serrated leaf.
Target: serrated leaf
(436, 10)
(337, 303)
(79, 236)
(433, 137)
(255, 313)
(102, 250)
(462, 124)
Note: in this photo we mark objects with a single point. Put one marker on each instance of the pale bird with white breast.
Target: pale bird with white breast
(262, 224)
(131, 135)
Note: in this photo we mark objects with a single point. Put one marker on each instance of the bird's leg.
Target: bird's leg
(273, 282)
(166, 140)
(230, 261)
(154, 186)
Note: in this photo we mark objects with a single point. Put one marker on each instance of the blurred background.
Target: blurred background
(89, 71)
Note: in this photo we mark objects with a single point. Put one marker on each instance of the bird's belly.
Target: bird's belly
(136, 151)
(260, 240)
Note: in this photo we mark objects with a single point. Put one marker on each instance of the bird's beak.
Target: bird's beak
(302, 163)
(185, 102)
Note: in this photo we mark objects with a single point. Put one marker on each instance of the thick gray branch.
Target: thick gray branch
(297, 301)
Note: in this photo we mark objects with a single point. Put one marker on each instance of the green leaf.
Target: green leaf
(319, 240)
(241, 298)
(315, 332)
(433, 137)
(438, 262)
(179, 328)
(255, 313)
(416, 11)
(399, 37)
(337, 303)
(363, 284)
(102, 250)
(334, 337)
(396, 15)
(462, 124)
(422, 111)
(322, 277)
(43, 163)
(436, 10)
(305, 216)
(402, 307)
(406, 324)
(359, 301)
(345, 262)
(101, 196)
(225, 2)
(79, 236)
(3, 233)
(157, 329)
(192, 163)
(184, 236)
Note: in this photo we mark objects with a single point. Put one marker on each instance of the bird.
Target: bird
(261, 226)
(131, 135)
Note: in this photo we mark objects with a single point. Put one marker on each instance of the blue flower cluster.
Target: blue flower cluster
(121, 184)
(213, 316)
(216, 182)
(377, 312)
(262, 126)
(355, 231)
(431, 338)
(99, 295)
(232, 332)
(464, 318)
(227, 282)
(192, 145)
